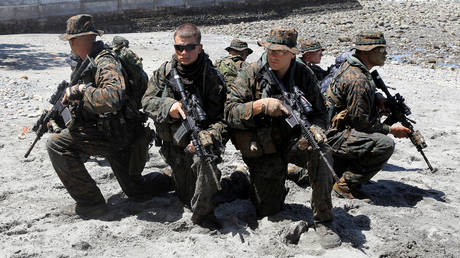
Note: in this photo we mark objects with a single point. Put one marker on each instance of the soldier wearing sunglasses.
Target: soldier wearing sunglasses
(267, 143)
(193, 182)
(358, 139)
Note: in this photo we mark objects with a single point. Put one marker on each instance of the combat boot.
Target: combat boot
(234, 187)
(345, 189)
(327, 237)
(208, 221)
(86, 211)
(298, 175)
(342, 189)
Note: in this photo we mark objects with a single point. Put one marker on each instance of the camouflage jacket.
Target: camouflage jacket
(229, 67)
(107, 93)
(162, 93)
(353, 89)
(251, 85)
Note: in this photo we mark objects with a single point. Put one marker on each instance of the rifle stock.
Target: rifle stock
(398, 113)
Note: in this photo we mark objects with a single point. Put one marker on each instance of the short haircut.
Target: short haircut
(188, 31)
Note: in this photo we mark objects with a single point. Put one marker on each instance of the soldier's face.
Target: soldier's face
(185, 51)
(313, 57)
(377, 56)
(81, 46)
(279, 59)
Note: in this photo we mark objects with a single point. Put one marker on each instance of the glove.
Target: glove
(302, 144)
(206, 138)
(273, 107)
(318, 133)
(75, 92)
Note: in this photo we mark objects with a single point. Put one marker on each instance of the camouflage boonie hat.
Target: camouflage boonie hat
(119, 41)
(309, 46)
(368, 40)
(239, 45)
(80, 25)
(281, 39)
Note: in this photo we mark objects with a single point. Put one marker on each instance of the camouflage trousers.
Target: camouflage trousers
(268, 175)
(66, 148)
(359, 156)
(193, 181)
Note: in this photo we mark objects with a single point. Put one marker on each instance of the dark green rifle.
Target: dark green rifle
(195, 122)
(299, 108)
(398, 113)
(59, 111)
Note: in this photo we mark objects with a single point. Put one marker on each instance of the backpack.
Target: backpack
(135, 77)
(325, 83)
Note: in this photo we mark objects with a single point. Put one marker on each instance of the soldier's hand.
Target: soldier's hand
(380, 101)
(302, 144)
(271, 107)
(176, 110)
(400, 131)
(74, 93)
(318, 133)
(190, 148)
(206, 138)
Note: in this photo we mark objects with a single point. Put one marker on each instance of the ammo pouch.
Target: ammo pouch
(114, 126)
(253, 144)
(166, 131)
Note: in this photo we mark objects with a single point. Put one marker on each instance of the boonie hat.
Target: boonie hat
(368, 40)
(281, 39)
(239, 45)
(309, 46)
(80, 25)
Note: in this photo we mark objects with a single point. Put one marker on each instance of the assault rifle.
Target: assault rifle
(398, 113)
(59, 111)
(299, 108)
(192, 125)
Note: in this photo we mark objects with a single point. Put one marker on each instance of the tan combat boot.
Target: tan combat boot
(342, 189)
(350, 191)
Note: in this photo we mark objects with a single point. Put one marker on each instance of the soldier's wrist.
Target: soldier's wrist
(258, 107)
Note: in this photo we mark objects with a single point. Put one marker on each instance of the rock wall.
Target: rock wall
(25, 16)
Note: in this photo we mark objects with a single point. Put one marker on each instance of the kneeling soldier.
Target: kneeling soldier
(268, 143)
(358, 139)
(189, 78)
(105, 125)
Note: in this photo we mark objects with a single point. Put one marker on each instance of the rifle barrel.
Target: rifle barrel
(32, 146)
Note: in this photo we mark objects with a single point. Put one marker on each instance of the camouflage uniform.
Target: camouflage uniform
(194, 184)
(276, 142)
(101, 128)
(359, 140)
(229, 66)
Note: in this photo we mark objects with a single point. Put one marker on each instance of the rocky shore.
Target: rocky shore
(425, 33)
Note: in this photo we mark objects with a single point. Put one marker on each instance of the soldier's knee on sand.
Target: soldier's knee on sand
(52, 144)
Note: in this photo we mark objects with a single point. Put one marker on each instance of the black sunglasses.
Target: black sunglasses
(188, 47)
